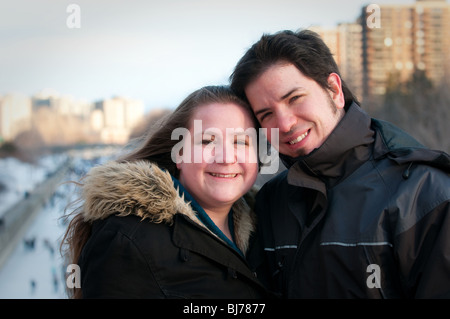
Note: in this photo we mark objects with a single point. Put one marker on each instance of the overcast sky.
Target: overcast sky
(156, 51)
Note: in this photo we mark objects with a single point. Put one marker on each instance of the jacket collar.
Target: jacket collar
(347, 147)
(400, 147)
(203, 216)
(143, 189)
(356, 139)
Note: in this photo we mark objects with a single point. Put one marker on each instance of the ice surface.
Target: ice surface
(38, 271)
(17, 178)
(42, 264)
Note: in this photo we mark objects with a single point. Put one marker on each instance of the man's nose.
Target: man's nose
(285, 119)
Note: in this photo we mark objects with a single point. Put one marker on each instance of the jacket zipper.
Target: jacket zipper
(300, 247)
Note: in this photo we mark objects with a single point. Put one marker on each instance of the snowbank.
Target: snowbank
(35, 269)
(17, 178)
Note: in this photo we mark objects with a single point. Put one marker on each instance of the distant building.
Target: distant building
(15, 116)
(115, 118)
(62, 104)
(61, 119)
(414, 37)
(350, 56)
(345, 43)
(411, 37)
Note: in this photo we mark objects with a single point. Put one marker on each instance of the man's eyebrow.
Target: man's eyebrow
(280, 99)
(290, 92)
(262, 111)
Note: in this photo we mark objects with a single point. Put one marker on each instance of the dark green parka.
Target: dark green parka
(367, 215)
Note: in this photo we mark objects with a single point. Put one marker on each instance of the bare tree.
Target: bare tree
(420, 108)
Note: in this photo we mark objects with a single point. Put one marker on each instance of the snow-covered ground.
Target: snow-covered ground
(18, 178)
(41, 264)
(35, 268)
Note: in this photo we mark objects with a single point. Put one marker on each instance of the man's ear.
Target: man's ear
(336, 93)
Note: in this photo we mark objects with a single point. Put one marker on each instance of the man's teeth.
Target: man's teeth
(300, 138)
(224, 175)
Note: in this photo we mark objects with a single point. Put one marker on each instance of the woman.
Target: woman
(170, 220)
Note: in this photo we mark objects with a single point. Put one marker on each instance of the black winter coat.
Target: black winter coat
(147, 242)
(367, 215)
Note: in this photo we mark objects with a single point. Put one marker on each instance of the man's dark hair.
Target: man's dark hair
(304, 49)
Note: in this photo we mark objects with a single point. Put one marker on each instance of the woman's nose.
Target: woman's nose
(225, 153)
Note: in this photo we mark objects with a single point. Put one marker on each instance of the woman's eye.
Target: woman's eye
(241, 142)
(208, 139)
(206, 142)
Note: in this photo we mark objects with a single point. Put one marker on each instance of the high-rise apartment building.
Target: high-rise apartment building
(409, 38)
(350, 56)
(345, 43)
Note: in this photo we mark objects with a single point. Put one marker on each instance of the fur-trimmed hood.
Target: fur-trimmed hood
(141, 188)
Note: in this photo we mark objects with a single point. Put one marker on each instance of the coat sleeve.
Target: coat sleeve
(424, 255)
(112, 266)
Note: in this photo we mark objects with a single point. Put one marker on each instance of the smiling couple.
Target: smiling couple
(358, 191)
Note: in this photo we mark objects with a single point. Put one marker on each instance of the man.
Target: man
(363, 209)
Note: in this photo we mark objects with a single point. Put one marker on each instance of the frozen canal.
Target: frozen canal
(35, 268)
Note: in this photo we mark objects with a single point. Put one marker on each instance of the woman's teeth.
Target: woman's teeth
(224, 175)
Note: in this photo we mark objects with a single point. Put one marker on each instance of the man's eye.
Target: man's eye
(264, 116)
(294, 98)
